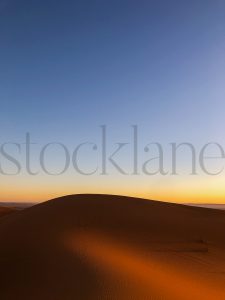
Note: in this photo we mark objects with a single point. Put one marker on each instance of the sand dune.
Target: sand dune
(112, 247)
(17, 205)
(6, 211)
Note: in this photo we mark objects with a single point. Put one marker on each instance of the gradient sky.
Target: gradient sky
(67, 67)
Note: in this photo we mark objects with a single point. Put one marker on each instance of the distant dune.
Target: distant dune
(207, 205)
(17, 205)
(110, 247)
(6, 211)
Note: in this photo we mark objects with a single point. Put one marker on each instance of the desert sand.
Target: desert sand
(112, 247)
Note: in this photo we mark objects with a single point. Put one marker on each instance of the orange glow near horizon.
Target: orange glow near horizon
(170, 189)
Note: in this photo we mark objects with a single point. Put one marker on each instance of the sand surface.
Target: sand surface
(112, 247)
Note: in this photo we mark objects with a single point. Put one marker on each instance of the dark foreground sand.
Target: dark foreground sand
(111, 247)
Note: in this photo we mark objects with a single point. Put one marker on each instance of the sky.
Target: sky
(69, 67)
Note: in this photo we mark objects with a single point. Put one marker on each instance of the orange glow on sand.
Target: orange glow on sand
(144, 275)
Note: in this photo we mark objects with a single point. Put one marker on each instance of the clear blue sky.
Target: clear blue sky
(67, 67)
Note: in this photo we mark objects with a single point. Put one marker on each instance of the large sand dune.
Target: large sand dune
(112, 247)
